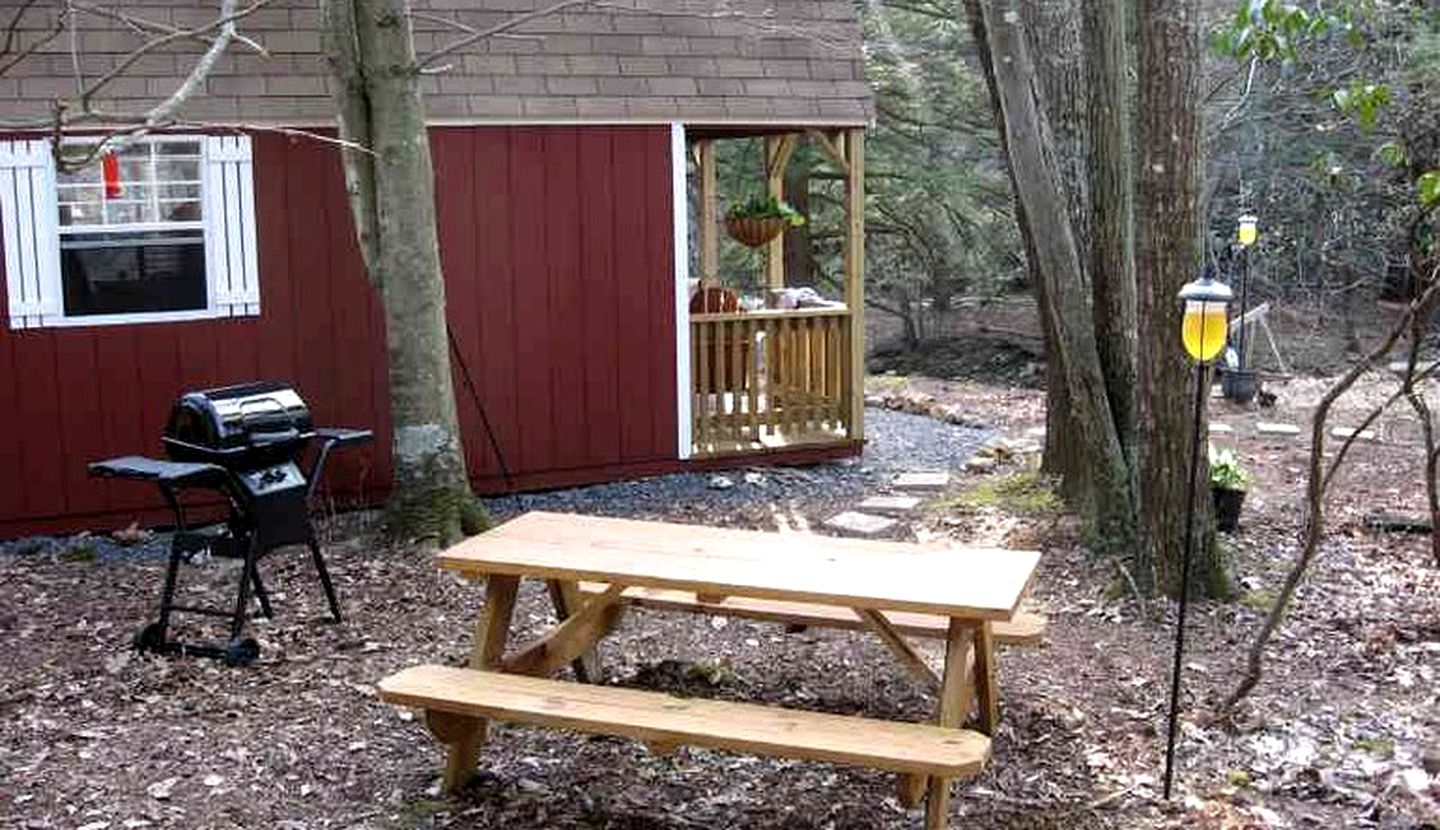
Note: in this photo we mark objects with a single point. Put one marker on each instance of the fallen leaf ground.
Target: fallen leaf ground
(93, 736)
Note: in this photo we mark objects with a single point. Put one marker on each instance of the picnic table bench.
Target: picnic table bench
(596, 566)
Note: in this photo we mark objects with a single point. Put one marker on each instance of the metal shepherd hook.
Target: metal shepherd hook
(1202, 299)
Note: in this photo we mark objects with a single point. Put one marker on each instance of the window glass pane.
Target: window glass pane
(80, 204)
(177, 170)
(158, 181)
(116, 273)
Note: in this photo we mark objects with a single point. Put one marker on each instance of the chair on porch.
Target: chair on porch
(729, 365)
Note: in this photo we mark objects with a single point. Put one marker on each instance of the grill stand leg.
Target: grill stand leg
(325, 579)
(261, 595)
(154, 637)
(247, 579)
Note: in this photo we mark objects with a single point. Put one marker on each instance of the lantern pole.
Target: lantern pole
(1199, 297)
(1246, 234)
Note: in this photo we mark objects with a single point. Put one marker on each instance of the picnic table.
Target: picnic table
(596, 566)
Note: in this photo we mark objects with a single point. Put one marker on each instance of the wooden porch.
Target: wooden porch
(771, 378)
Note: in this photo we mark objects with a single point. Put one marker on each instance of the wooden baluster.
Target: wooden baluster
(697, 401)
(787, 375)
(797, 371)
(717, 360)
(704, 360)
(847, 379)
(752, 380)
(814, 371)
(772, 386)
(737, 369)
(837, 344)
(831, 386)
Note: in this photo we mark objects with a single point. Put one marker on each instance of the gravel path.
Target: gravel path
(743, 496)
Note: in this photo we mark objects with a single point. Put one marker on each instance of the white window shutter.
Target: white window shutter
(230, 254)
(28, 214)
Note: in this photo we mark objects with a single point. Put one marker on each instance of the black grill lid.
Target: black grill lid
(238, 422)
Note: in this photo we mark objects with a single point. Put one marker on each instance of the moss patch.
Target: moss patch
(1026, 494)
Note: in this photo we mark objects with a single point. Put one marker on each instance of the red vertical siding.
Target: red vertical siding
(494, 313)
(556, 246)
(601, 307)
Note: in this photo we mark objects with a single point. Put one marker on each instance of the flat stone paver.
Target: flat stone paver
(1221, 429)
(892, 505)
(1265, 428)
(854, 523)
(922, 481)
(1346, 432)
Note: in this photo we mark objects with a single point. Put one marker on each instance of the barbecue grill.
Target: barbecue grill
(246, 443)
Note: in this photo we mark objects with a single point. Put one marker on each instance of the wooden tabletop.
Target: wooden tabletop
(979, 583)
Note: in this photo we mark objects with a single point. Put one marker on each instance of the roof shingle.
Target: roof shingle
(697, 61)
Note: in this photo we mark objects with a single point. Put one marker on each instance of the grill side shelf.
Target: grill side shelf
(140, 468)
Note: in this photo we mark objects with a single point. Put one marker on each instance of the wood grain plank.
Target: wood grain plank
(968, 582)
(657, 718)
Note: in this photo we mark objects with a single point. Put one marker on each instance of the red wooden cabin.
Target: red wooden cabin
(567, 158)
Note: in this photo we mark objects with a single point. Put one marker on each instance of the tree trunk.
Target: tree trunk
(1167, 256)
(391, 185)
(1072, 355)
(1112, 260)
(1053, 38)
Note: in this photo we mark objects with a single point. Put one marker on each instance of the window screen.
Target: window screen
(132, 231)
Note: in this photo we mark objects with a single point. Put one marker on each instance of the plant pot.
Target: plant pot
(754, 231)
(1227, 508)
(1238, 385)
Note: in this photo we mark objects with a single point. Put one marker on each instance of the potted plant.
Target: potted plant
(1228, 483)
(759, 219)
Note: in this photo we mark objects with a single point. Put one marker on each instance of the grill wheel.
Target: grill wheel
(241, 651)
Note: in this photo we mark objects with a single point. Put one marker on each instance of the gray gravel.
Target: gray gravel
(896, 441)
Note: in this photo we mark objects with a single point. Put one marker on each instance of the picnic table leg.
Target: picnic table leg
(955, 695)
(987, 692)
(465, 736)
(565, 596)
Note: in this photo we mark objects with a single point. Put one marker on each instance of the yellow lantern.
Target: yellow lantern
(1249, 230)
(1205, 326)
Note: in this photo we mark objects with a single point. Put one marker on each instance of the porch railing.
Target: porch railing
(770, 378)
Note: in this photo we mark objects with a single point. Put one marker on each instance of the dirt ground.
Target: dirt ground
(93, 736)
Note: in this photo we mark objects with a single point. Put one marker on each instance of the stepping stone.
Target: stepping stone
(922, 481)
(852, 523)
(1038, 433)
(891, 505)
(1400, 367)
(1265, 428)
(1221, 429)
(1346, 432)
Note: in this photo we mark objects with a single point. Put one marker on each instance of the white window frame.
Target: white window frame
(29, 219)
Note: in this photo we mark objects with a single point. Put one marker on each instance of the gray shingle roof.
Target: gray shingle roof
(697, 61)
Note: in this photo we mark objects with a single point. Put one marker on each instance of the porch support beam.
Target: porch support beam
(854, 261)
(778, 150)
(709, 216)
(834, 146)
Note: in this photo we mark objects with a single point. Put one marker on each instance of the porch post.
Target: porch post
(709, 219)
(778, 150)
(854, 150)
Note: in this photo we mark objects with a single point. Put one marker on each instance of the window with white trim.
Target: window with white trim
(162, 229)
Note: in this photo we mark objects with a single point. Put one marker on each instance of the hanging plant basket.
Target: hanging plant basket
(755, 231)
